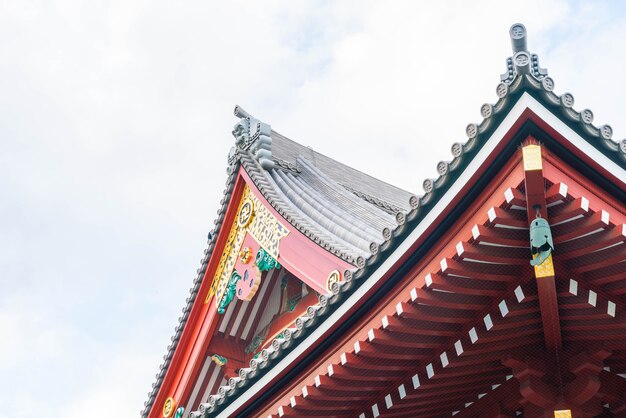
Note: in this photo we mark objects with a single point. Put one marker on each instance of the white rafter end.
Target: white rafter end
(444, 359)
(416, 381)
(458, 346)
(573, 287)
(593, 298)
(504, 309)
(610, 309)
(385, 322)
(401, 391)
(429, 280)
(430, 371)
(473, 335)
(388, 401)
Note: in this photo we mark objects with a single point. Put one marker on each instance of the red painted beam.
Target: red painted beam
(500, 236)
(534, 183)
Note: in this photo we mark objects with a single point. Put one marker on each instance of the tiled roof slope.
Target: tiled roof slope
(271, 156)
(344, 220)
(389, 196)
(345, 211)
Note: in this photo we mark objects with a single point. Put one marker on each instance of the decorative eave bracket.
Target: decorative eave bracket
(522, 61)
(253, 135)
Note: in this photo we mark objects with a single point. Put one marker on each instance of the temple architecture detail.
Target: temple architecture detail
(522, 61)
(500, 291)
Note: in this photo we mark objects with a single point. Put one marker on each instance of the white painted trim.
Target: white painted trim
(226, 318)
(196, 389)
(242, 312)
(207, 391)
(526, 101)
(255, 310)
(570, 135)
(272, 306)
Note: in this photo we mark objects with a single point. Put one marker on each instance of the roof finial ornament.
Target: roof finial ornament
(254, 135)
(522, 61)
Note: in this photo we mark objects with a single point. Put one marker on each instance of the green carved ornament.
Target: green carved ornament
(219, 360)
(264, 261)
(230, 292)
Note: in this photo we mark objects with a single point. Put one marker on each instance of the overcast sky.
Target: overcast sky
(115, 122)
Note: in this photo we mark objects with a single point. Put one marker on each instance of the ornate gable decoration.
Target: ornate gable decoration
(253, 135)
(522, 61)
(255, 235)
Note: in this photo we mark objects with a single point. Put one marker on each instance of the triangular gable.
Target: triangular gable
(259, 279)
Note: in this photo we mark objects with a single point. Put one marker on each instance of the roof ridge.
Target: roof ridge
(382, 204)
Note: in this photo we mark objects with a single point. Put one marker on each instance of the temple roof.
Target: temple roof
(345, 211)
(357, 217)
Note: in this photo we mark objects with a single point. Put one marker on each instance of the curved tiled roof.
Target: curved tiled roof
(285, 149)
(340, 221)
(357, 217)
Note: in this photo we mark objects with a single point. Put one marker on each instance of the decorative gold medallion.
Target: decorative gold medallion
(245, 213)
(245, 254)
(532, 157)
(333, 277)
(565, 413)
(168, 407)
(545, 269)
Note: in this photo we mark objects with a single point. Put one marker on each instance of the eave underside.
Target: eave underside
(450, 341)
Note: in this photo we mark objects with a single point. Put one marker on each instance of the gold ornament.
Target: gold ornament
(245, 213)
(333, 277)
(545, 269)
(532, 157)
(168, 407)
(245, 255)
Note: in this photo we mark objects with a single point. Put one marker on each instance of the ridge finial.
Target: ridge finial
(253, 135)
(522, 61)
(240, 113)
(518, 38)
